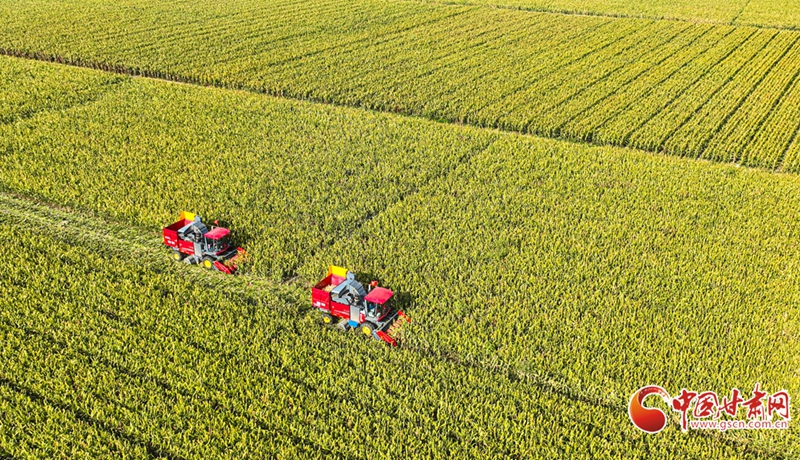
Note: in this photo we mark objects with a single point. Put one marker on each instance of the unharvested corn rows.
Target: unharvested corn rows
(106, 357)
(698, 90)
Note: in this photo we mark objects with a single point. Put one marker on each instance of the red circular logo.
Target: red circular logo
(649, 420)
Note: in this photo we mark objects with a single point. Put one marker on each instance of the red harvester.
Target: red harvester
(340, 295)
(193, 243)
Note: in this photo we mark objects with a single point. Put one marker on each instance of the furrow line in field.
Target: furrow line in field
(277, 34)
(668, 135)
(243, 41)
(463, 75)
(659, 52)
(631, 79)
(495, 110)
(530, 67)
(748, 141)
(741, 11)
(129, 36)
(370, 60)
(368, 38)
(636, 115)
(583, 124)
(704, 145)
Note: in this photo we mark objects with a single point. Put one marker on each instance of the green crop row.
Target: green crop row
(665, 86)
(107, 356)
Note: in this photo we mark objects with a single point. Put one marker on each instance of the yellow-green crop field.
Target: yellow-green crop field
(715, 90)
(570, 200)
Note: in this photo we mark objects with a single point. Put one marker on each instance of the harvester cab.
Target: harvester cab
(217, 240)
(194, 243)
(377, 301)
(340, 295)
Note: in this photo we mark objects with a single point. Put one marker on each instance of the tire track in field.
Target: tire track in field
(364, 220)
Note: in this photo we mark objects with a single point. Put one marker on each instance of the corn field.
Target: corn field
(570, 201)
(105, 355)
(697, 88)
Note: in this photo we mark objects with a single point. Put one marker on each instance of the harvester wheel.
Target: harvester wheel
(208, 263)
(327, 319)
(367, 329)
(177, 256)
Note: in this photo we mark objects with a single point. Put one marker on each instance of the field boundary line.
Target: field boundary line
(168, 77)
(739, 14)
(567, 12)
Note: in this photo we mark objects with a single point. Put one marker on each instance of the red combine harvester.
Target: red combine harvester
(340, 295)
(193, 243)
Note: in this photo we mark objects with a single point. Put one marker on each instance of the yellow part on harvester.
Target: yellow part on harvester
(187, 215)
(337, 271)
